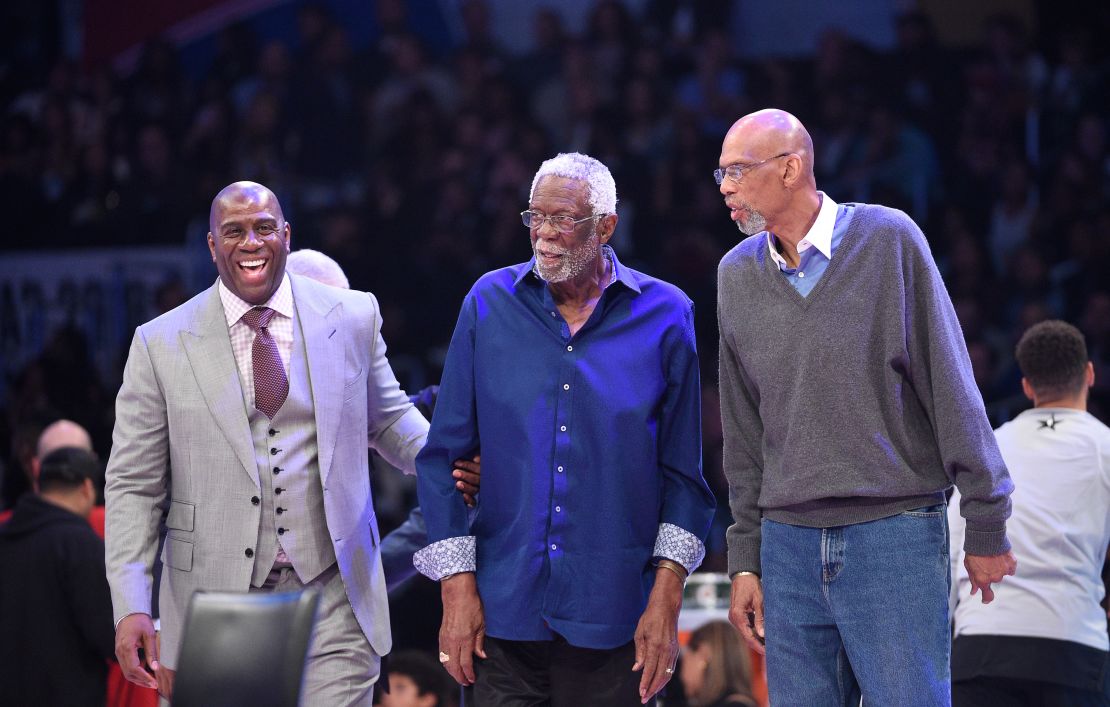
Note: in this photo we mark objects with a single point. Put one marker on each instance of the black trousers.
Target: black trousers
(995, 692)
(553, 674)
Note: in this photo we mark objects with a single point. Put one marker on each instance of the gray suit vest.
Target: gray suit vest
(292, 502)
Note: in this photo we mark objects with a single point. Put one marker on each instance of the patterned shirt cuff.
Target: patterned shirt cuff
(682, 546)
(447, 557)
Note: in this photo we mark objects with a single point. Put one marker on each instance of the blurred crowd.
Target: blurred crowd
(409, 163)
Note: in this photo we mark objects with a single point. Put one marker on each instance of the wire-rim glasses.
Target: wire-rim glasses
(562, 224)
(736, 172)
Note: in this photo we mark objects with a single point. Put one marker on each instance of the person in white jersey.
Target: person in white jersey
(1045, 641)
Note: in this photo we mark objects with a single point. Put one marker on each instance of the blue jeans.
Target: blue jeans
(858, 610)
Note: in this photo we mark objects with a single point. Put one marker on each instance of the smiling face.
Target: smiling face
(249, 240)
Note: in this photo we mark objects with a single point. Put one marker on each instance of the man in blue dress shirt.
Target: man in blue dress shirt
(578, 379)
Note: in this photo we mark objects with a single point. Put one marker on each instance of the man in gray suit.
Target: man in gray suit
(247, 411)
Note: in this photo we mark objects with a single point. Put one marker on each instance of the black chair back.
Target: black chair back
(244, 649)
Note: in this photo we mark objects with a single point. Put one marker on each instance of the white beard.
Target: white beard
(575, 260)
(755, 223)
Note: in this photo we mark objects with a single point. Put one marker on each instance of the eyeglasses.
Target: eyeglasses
(562, 224)
(736, 172)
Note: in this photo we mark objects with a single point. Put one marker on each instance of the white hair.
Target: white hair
(314, 264)
(583, 168)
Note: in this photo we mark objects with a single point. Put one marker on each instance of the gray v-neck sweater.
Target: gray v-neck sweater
(856, 402)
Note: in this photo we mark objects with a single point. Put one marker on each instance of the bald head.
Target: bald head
(768, 184)
(242, 195)
(63, 433)
(318, 266)
(771, 132)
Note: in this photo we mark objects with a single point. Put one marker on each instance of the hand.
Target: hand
(747, 608)
(165, 683)
(984, 569)
(468, 474)
(463, 631)
(657, 634)
(133, 632)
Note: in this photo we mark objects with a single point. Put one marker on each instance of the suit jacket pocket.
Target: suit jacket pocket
(180, 516)
(374, 537)
(178, 554)
(352, 384)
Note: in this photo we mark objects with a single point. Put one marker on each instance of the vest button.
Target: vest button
(274, 450)
(279, 489)
(281, 531)
(273, 432)
(280, 511)
(248, 552)
(255, 500)
(278, 470)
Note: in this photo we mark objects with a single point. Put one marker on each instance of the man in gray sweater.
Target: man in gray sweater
(849, 408)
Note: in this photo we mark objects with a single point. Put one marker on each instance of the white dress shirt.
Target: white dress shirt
(818, 236)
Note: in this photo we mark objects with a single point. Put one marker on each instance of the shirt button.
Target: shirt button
(801, 274)
(558, 509)
(553, 547)
(566, 386)
(563, 428)
(570, 348)
(560, 470)
(553, 314)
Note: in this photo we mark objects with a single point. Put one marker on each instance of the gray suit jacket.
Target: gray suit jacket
(182, 438)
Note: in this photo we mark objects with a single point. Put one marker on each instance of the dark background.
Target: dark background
(401, 138)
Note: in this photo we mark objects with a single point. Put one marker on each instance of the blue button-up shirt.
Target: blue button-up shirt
(591, 455)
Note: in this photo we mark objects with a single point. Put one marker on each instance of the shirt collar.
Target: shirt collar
(624, 275)
(234, 307)
(819, 235)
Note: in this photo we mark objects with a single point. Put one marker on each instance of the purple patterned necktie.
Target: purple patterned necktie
(270, 384)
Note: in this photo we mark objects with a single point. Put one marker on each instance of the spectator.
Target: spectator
(415, 680)
(716, 668)
(1013, 214)
(54, 601)
(1044, 641)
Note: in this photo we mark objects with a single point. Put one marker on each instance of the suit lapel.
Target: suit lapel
(321, 327)
(208, 348)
